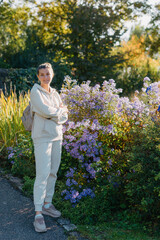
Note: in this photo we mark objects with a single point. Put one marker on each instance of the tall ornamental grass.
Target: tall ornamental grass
(11, 111)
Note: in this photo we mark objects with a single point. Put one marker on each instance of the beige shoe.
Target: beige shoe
(51, 211)
(39, 224)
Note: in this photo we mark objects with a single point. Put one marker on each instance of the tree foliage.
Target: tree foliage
(137, 63)
(153, 40)
(13, 27)
(88, 31)
(78, 34)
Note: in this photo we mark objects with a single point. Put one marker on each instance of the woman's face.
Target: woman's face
(45, 76)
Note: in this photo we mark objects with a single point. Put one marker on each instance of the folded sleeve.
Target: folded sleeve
(41, 108)
(63, 118)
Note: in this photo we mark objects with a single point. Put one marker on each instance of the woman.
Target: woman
(49, 115)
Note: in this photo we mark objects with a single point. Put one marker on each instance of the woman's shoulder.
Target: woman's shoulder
(35, 88)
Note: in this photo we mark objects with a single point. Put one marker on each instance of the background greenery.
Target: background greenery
(79, 38)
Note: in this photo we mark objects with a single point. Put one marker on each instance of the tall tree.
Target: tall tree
(14, 22)
(95, 27)
(153, 40)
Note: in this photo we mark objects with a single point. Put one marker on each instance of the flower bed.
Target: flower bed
(100, 164)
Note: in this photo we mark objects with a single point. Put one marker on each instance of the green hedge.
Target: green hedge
(23, 79)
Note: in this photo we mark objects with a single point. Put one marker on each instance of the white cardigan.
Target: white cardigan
(48, 116)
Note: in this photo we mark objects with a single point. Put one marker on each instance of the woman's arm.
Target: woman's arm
(43, 109)
(63, 117)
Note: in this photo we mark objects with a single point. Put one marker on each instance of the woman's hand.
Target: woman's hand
(64, 107)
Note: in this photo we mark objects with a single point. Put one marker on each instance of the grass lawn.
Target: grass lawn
(109, 232)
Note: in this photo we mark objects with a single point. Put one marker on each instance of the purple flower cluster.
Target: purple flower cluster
(74, 196)
(11, 153)
(151, 95)
(98, 114)
(85, 142)
(16, 152)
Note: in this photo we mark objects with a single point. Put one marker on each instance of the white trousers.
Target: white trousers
(47, 157)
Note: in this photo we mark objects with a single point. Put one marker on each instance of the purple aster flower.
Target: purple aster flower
(75, 194)
(111, 81)
(148, 89)
(10, 155)
(70, 173)
(146, 79)
(68, 183)
(63, 192)
(74, 182)
(110, 162)
(110, 128)
(9, 148)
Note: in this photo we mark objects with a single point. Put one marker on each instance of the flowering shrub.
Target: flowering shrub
(97, 132)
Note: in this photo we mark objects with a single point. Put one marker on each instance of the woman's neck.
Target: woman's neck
(46, 87)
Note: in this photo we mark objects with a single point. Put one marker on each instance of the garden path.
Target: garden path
(17, 215)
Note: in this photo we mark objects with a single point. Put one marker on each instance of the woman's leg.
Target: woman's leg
(55, 163)
(43, 167)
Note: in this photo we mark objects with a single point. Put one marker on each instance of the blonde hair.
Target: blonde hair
(44, 65)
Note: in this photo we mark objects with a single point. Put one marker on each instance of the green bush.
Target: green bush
(142, 181)
(24, 79)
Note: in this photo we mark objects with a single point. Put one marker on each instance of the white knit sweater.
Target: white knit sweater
(48, 116)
